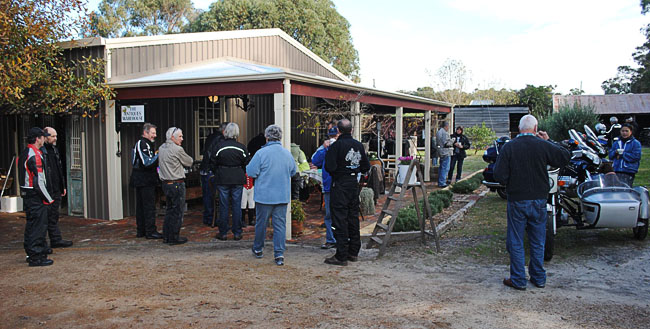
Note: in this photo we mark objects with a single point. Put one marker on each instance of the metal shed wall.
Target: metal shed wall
(97, 179)
(497, 118)
(133, 62)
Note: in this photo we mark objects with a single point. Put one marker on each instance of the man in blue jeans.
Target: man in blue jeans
(272, 168)
(445, 148)
(318, 159)
(229, 168)
(522, 168)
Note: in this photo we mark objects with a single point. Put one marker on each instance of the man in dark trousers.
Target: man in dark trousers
(56, 186)
(144, 179)
(208, 186)
(521, 167)
(344, 161)
(32, 169)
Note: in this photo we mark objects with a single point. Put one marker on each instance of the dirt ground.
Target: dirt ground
(221, 285)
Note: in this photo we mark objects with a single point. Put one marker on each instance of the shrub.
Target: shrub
(467, 186)
(297, 212)
(557, 125)
(480, 137)
(407, 219)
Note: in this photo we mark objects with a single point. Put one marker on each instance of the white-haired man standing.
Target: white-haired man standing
(229, 167)
(172, 159)
(521, 167)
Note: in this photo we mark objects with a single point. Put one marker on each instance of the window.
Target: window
(208, 120)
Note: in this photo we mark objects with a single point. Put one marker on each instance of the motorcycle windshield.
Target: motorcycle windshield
(601, 181)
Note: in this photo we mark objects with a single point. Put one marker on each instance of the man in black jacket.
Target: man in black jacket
(144, 179)
(32, 172)
(344, 161)
(522, 168)
(229, 167)
(56, 186)
(208, 185)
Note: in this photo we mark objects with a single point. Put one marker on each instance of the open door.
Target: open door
(74, 169)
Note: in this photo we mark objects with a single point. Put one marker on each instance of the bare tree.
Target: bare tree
(450, 79)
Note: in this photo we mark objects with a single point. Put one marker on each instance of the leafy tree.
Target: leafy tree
(481, 137)
(123, 18)
(539, 99)
(629, 79)
(314, 23)
(576, 91)
(34, 76)
(568, 117)
(500, 97)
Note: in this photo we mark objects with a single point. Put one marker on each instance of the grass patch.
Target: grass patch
(473, 162)
(482, 236)
(642, 178)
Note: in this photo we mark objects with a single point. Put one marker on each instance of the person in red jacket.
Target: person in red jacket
(36, 198)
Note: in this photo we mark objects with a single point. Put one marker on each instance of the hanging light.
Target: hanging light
(213, 99)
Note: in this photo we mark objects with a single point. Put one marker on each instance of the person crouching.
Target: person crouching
(172, 158)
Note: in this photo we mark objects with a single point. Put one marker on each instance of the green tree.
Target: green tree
(568, 117)
(576, 91)
(633, 79)
(539, 99)
(314, 23)
(34, 76)
(123, 18)
(500, 97)
(481, 137)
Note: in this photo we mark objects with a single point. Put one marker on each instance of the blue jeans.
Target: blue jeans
(529, 216)
(208, 188)
(443, 170)
(230, 196)
(278, 212)
(329, 235)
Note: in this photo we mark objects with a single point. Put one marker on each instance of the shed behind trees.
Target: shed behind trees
(503, 119)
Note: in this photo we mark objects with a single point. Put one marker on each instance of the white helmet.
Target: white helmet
(613, 120)
(600, 128)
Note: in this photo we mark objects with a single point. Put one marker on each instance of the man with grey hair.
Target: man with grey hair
(272, 168)
(522, 168)
(229, 167)
(445, 147)
(144, 179)
(56, 185)
(173, 159)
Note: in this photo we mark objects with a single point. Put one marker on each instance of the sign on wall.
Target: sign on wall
(132, 113)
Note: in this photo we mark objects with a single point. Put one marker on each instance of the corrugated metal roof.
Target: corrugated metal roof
(607, 104)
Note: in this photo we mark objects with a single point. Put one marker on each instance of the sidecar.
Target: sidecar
(605, 201)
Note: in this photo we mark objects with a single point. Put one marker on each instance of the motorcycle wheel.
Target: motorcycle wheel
(550, 237)
(640, 232)
(502, 193)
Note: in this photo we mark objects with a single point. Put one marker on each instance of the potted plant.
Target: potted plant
(373, 159)
(402, 168)
(297, 218)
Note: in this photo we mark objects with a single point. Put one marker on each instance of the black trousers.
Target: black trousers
(344, 207)
(175, 199)
(145, 209)
(35, 226)
(53, 218)
(455, 161)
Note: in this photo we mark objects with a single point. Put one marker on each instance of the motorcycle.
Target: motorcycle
(584, 193)
(590, 196)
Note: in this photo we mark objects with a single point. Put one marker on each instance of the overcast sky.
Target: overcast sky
(504, 43)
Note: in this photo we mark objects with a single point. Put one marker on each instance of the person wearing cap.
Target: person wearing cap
(144, 179)
(56, 186)
(172, 160)
(32, 171)
(344, 161)
(614, 131)
(318, 159)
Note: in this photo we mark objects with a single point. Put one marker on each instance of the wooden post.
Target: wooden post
(427, 146)
(399, 131)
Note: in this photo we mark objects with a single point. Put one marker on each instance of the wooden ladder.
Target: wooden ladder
(380, 227)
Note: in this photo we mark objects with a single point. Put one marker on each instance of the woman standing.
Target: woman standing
(461, 143)
(626, 154)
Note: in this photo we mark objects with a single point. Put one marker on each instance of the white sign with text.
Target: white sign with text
(133, 113)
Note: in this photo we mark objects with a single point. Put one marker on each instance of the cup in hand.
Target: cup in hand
(619, 151)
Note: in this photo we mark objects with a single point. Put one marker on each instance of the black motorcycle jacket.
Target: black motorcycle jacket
(56, 180)
(229, 162)
(145, 162)
(346, 157)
